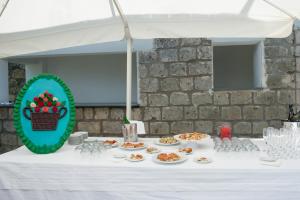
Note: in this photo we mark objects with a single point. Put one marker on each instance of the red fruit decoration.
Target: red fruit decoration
(49, 103)
(54, 109)
(45, 109)
(37, 109)
(36, 99)
(40, 103)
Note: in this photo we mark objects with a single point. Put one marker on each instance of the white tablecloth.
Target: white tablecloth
(67, 174)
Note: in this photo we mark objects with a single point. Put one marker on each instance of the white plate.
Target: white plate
(185, 152)
(153, 152)
(119, 155)
(204, 161)
(134, 160)
(192, 141)
(164, 144)
(183, 158)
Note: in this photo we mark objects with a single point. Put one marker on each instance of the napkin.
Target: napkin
(140, 127)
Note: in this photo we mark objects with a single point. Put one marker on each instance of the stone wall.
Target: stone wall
(16, 79)
(176, 93)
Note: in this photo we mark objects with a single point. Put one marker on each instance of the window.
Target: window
(238, 65)
(98, 79)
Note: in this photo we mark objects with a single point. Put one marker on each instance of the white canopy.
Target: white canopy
(41, 25)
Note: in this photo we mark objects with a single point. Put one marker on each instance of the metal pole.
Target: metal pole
(128, 78)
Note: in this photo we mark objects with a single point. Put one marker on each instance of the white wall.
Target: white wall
(32, 70)
(4, 96)
(95, 79)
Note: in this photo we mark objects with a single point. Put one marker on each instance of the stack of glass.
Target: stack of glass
(234, 145)
(282, 143)
(92, 147)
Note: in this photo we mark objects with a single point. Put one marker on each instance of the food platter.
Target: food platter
(111, 142)
(167, 141)
(166, 158)
(132, 146)
(194, 137)
(186, 151)
(152, 150)
(135, 157)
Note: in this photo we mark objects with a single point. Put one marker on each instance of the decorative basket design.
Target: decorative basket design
(44, 121)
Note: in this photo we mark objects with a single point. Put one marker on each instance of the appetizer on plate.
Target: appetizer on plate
(135, 157)
(111, 142)
(133, 145)
(192, 136)
(168, 157)
(187, 150)
(152, 150)
(167, 141)
(203, 160)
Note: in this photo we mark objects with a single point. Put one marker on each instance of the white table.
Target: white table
(67, 174)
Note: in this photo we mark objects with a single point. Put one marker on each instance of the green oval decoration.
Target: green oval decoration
(44, 114)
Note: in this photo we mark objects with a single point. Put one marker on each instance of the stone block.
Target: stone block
(297, 80)
(172, 113)
(92, 127)
(152, 113)
(203, 83)
(147, 56)
(297, 36)
(297, 51)
(159, 128)
(79, 113)
(9, 139)
(182, 127)
(143, 70)
(264, 97)
(253, 112)
(158, 99)
(298, 64)
(186, 84)
(158, 70)
(209, 112)
(143, 99)
(137, 114)
(201, 98)
(286, 96)
(187, 53)
(204, 52)
(200, 68)
(276, 112)
(277, 51)
(280, 65)
(117, 113)
(231, 113)
(169, 84)
(190, 112)
(221, 98)
(258, 127)
(11, 113)
(112, 127)
(242, 128)
(179, 98)
(101, 113)
(275, 124)
(168, 55)
(190, 41)
(205, 42)
(8, 126)
(88, 113)
(204, 126)
(178, 69)
(275, 81)
(241, 97)
(149, 85)
(3, 113)
(165, 43)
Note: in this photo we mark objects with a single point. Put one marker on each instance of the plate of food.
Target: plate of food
(152, 150)
(112, 142)
(202, 160)
(135, 157)
(167, 141)
(132, 146)
(192, 137)
(169, 158)
(187, 150)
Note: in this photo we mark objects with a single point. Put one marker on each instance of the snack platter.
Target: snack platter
(169, 158)
(195, 137)
(132, 146)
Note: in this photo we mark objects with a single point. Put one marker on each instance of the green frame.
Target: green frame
(45, 149)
